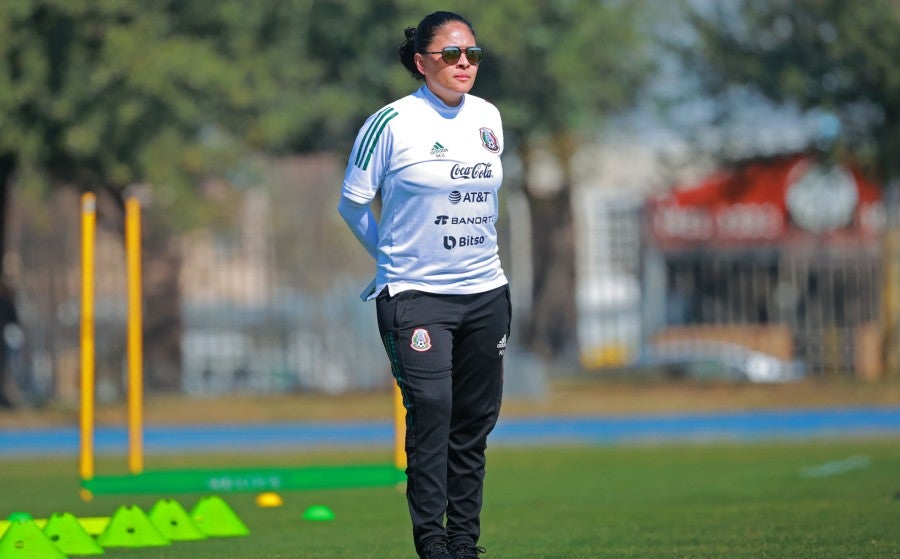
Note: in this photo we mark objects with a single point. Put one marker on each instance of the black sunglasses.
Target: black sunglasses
(450, 55)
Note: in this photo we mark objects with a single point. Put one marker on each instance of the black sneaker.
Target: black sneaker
(436, 550)
(466, 551)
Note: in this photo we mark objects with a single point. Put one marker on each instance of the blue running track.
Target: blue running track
(750, 425)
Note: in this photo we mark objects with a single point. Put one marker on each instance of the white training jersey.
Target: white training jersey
(439, 172)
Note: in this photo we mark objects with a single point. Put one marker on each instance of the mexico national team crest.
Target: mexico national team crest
(420, 340)
(489, 140)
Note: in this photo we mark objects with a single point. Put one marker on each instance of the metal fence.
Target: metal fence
(238, 327)
(810, 305)
(243, 324)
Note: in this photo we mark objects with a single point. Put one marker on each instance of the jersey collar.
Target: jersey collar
(445, 110)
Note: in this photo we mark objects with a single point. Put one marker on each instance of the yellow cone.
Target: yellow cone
(269, 499)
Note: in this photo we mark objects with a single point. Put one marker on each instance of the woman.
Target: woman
(441, 296)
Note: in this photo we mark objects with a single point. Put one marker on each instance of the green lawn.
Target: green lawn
(792, 499)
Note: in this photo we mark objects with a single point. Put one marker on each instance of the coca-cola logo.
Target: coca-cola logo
(476, 171)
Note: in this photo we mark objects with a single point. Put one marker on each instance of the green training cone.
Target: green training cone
(215, 518)
(94, 525)
(69, 536)
(24, 540)
(173, 521)
(319, 513)
(130, 527)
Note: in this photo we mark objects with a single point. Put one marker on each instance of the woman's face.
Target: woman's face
(449, 82)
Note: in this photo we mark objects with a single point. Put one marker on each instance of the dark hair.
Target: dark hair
(417, 39)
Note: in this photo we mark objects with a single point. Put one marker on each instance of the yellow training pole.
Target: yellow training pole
(399, 429)
(88, 233)
(135, 337)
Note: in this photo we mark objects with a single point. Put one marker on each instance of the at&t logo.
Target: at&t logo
(456, 197)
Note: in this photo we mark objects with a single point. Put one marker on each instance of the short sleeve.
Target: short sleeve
(370, 158)
(499, 130)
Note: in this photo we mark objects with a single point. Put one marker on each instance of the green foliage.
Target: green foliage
(332, 64)
(558, 68)
(185, 98)
(103, 94)
(833, 56)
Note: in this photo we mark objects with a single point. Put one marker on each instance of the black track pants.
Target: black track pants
(446, 353)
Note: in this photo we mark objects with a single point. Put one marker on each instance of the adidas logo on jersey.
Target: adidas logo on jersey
(437, 150)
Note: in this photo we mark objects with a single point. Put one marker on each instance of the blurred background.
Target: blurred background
(706, 189)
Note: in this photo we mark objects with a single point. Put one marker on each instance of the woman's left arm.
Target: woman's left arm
(362, 222)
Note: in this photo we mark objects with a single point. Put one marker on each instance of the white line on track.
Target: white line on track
(835, 467)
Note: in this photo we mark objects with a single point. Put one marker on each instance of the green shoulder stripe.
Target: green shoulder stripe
(370, 138)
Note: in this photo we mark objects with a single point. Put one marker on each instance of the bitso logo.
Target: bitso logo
(420, 340)
(451, 242)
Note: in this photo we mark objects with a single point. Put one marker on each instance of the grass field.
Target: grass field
(809, 499)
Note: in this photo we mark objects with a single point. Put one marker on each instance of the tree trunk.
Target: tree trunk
(552, 330)
(162, 323)
(163, 327)
(891, 303)
(8, 314)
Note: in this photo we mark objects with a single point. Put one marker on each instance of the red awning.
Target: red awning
(767, 200)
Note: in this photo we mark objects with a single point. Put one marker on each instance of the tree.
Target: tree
(556, 70)
(104, 95)
(333, 63)
(829, 56)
